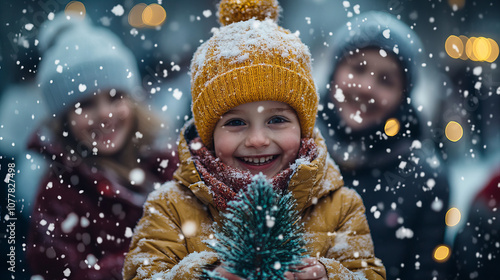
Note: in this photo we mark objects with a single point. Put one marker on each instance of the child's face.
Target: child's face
(372, 85)
(261, 136)
(104, 121)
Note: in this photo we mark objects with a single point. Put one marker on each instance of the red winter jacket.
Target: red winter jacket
(83, 216)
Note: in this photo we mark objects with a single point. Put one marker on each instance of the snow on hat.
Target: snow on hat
(381, 30)
(78, 59)
(250, 58)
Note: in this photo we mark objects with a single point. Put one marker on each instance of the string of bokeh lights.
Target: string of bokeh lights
(477, 49)
(474, 48)
(140, 16)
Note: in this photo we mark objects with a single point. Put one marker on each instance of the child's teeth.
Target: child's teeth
(258, 160)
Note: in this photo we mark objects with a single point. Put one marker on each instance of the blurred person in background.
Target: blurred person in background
(374, 134)
(106, 151)
(476, 250)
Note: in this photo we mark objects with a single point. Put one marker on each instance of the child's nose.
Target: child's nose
(257, 138)
(365, 84)
(363, 90)
(104, 110)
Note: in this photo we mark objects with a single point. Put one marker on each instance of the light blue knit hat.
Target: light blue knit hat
(78, 59)
(381, 30)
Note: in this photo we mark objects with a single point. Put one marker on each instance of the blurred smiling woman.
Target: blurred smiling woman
(104, 152)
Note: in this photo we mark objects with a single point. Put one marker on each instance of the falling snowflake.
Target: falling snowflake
(195, 146)
(207, 13)
(128, 232)
(137, 176)
(356, 9)
(82, 87)
(164, 163)
(387, 33)
(357, 117)
(105, 21)
(382, 52)
(339, 95)
(189, 228)
(69, 223)
(177, 94)
(403, 233)
(118, 10)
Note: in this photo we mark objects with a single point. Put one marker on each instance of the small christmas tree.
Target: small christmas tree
(261, 236)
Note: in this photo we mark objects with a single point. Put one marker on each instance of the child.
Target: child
(100, 147)
(374, 64)
(254, 108)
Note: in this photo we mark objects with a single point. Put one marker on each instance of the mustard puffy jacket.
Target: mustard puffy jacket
(169, 240)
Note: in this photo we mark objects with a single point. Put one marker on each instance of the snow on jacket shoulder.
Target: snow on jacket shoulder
(170, 240)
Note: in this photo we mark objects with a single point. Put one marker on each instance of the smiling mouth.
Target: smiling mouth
(258, 160)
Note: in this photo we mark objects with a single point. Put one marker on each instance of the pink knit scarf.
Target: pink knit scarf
(225, 181)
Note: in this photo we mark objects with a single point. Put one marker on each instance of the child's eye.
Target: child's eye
(385, 80)
(117, 97)
(86, 104)
(234, 122)
(277, 119)
(358, 68)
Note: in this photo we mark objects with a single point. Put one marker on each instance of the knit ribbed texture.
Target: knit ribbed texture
(250, 61)
(234, 11)
(79, 59)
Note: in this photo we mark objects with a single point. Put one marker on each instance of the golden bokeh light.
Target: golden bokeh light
(391, 127)
(494, 51)
(464, 40)
(469, 48)
(457, 3)
(75, 8)
(454, 46)
(454, 131)
(441, 253)
(135, 15)
(473, 48)
(452, 217)
(481, 48)
(154, 15)
(189, 228)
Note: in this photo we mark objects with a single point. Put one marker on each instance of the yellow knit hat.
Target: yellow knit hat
(250, 58)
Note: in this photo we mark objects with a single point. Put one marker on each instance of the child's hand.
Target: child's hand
(310, 269)
(224, 273)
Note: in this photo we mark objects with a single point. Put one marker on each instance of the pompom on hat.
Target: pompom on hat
(250, 58)
(79, 59)
(234, 11)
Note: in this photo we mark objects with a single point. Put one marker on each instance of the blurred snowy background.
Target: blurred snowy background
(462, 85)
